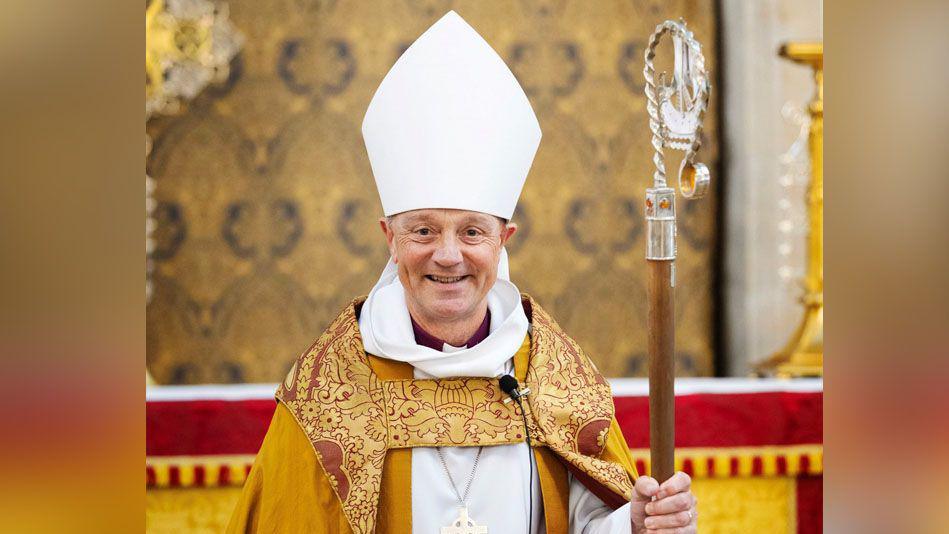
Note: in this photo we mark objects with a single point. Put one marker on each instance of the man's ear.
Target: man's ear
(509, 230)
(390, 238)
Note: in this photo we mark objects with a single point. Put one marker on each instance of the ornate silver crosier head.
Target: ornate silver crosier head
(675, 118)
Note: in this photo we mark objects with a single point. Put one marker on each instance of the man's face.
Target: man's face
(447, 259)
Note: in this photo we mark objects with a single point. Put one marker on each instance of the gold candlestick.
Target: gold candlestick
(804, 353)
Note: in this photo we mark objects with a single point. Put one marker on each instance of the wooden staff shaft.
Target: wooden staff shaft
(661, 328)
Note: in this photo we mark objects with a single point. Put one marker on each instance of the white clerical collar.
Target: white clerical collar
(451, 348)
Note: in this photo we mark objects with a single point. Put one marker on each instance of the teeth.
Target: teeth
(445, 279)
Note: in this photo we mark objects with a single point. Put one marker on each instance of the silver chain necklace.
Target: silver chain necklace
(464, 524)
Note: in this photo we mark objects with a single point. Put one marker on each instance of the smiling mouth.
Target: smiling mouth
(445, 279)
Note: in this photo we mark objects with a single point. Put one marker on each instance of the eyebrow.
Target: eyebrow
(478, 219)
(413, 219)
(481, 219)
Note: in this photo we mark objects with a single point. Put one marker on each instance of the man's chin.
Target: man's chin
(449, 309)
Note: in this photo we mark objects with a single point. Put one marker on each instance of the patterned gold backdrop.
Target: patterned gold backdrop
(267, 207)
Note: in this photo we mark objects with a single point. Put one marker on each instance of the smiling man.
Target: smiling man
(446, 401)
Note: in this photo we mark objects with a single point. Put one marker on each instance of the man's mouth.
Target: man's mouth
(445, 279)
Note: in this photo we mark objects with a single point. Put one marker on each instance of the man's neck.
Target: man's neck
(455, 333)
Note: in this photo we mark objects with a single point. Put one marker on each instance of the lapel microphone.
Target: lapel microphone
(509, 385)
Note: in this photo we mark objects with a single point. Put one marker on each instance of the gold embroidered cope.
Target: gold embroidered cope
(352, 417)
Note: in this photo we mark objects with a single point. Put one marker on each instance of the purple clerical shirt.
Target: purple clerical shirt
(427, 340)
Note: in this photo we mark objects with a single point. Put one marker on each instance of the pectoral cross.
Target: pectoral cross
(464, 525)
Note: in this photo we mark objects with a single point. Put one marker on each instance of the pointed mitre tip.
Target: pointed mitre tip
(451, 21)
(451, 27)
(451, 15)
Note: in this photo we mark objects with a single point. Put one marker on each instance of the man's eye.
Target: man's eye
(423, 231)
(471, 232)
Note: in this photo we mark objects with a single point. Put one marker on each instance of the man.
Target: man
(413, 411)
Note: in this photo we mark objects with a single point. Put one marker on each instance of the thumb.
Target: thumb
(644, 490)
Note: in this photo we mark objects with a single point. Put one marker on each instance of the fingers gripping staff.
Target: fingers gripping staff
(675, 118)
(663, 508)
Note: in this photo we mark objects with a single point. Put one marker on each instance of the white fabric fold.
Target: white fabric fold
(590, 515)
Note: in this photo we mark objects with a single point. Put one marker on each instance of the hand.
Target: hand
(668, 508)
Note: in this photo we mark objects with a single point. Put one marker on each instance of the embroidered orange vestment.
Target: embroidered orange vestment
(337, 457)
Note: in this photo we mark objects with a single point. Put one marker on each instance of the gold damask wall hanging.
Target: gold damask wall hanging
(266, 206)
(188, 44)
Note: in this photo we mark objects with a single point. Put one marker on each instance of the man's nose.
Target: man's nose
(448, 252)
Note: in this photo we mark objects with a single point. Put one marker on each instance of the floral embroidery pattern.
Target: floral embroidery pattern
(452, 412)
(352, 418)
(573, 405)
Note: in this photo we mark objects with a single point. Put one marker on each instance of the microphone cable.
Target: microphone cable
(530, 477)
(510, 386)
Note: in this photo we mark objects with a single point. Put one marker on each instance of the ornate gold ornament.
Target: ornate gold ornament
(188, 44)
(804, 353)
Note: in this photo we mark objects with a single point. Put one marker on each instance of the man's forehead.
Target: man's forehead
(431, 215)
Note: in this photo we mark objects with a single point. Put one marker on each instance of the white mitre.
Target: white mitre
(450, 127)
